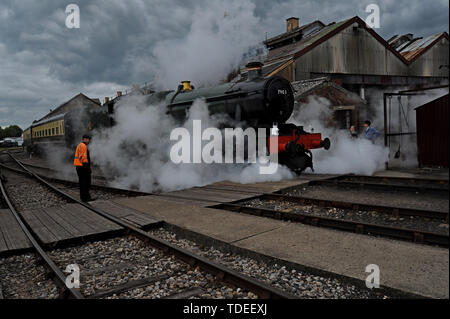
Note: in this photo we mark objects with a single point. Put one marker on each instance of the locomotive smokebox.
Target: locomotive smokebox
(254, 70)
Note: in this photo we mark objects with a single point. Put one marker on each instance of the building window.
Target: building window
(53, 131)
(57, 131)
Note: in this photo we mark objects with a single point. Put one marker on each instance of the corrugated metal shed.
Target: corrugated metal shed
(432, 132)
(350, 47)
(397, 40)
(416, 47)
(307, 40)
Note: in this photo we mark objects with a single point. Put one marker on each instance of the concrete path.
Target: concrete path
(410, 267)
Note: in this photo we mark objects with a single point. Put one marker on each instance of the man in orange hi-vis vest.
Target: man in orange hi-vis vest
(82, 163)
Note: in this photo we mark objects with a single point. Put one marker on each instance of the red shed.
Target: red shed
(432, 132)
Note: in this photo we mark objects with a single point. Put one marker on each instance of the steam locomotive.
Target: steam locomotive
(256, 101)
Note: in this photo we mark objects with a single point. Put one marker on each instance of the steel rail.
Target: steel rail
(61, 278)
(109, 188)
(416, 236)
(73, 183)
(380, 186)
(405, 180)
(98, 177)
(395, 211)
(222, 273)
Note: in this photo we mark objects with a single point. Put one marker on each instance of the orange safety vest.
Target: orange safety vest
(80, 155)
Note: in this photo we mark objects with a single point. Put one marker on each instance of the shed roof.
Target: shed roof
(308, 40)
(416, 47)
(302, 30)
(267, 68)
(407, 54)
(334, 92)
(445, 96)
(96, 101)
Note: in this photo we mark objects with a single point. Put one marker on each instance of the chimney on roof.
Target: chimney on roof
(291, 24)
(106, 99)
(119, 93)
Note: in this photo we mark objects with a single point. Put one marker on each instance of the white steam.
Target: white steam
(220, 33)
(346, 155)
(135, 152)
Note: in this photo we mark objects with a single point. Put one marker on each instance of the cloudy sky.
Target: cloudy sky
(119, 43)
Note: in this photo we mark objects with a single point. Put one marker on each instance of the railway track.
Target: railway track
(74, 185)
(282, 209)
(393, 210)
(364, 227)
(416, 185)
(222, 274)
(54, 171)
(391, 180)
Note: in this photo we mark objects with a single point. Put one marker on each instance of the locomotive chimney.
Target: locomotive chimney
(291, 24)
(186, 86)
(254, 70)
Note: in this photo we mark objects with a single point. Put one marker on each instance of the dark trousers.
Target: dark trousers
(84, 178)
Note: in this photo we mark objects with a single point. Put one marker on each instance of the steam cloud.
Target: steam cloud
(346, 155)
(136, 151)
(219, 35)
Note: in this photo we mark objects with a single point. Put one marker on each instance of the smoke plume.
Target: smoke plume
(220, 33)
(135, 152)
(346, 155)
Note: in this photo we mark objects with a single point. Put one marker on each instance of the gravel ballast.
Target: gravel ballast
(302, 284)
(370, 217)
(106, 264)
(371, 196)
(29, 194)
(24, 277)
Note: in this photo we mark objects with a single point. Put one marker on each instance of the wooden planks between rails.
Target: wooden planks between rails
(64, 223)
(12, 238)
(68, 222)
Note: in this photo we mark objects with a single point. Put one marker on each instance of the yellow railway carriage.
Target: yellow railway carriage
(63, 129)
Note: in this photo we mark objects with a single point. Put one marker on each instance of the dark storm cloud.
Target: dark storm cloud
(397, 17)
(110, 31)
(42, 63)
